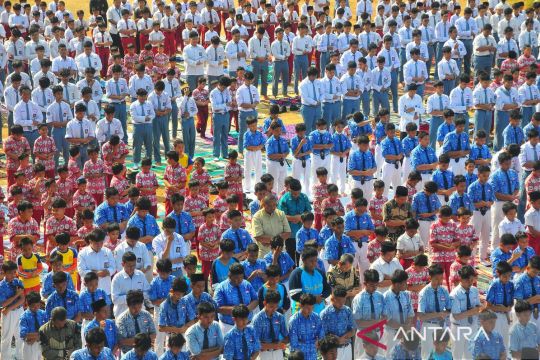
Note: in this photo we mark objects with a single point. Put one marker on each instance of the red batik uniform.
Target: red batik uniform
(45, 146)
(174, 175)
(18, 227)
(148, 180)
(235, 187)
(443, 234)
(17, 148)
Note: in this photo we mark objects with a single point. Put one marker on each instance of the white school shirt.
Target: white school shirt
(436, 102)
(111, 88)
(532, 218)
(21, 19)
(141, 253)
(59, 64)
(180, 248)
(141, 113)
(53, 46)
(114, 14)
(510, 227)
(330, 88)
(323, 41)
(77, 45)
(89, 260)
(73, 129)
(527, 154)
(483, 96)
(461, 50)
(505, 97)
(219, 100)
(310, 91)
(144, 24)
(103, 132)
(301, 45)
(160, 102)
(126, 25)
(505, 46)
(281, 50)
(243, 96)
(71, 93)
(258, 47)
(459, 103)
(84, 61)
(122, 283)
(186, 105)
(424, 53)
(481, 40)
(528, 38)
(412, 68)
(92, 108)
(349, 82)
(231, 50)
(465, 33)
(11, 97)
(215, 57)
(195, 18)
(441, 31)
(348, 56)
(398, 20)
(536, 26)
(172, 88)
(97, 92)
(35, 66)
(25, 79)
(195, 57)
(167, 22)
(30, 49)
(404, 103)
(528, 92)
(380, 79)
(344, 40)
(385, 268)
(405, 35)
(26, 115)
(481, 21)
(42, 97)
(16, 49)
(136, 83)
(364, 6)
(447, 67)
(391, 58)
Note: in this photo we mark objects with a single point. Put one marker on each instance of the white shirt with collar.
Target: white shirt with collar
(349, 82)
(161, 101)
(434, 102)
(243, 96)
(111, 88)
(219, 100)
(461, 50)
(121, 284)
(195, 57)
(186, 105)
(447, 67)
(483, 96)
(59, 64)
(307, 94)
(126, 25)
(97, 92)
(140, 251)
(348, 56)
(11, 97)
(385, 268)
(510, 227)
(103, 131)
(281, 50)
(30, 49)
(16, 49)
(330, 88)
(326, 41)
(136, 83)
(365, 39)
(505, 45)
(380, 79)
(424, 53)
(460, 103)
(180, 248)
(172, 88)
(90, 260)
(215, 57)
(259, 48)
(466, 28)
(406, 102)
(232, 49)
(528, 92)
(85, 61)
(413, 69)
(25, 79)
(55, 109)
(441, 31)
(527, 154)
(302, 44)
(73, 129)
(42, 97)
(141, 113)
(71, 93)
(344, 40)
(392, 58)
(26, 113)
(92, 108)
(481, 40)
(505, 97)
(528, 38)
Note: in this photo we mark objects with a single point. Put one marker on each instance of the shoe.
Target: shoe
(216, 159)
(486, 263)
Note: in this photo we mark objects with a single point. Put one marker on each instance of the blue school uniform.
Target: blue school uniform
(304, 332)
(355, 130)
(308, 146)
(110, 329)
(184, 222)
(160, 288)
(491, 346)
(423, 203)
(526, 287)
(228, 295)
(444, 179)
(69, 301)
(304, 235)
(444, 130)
(470, 178)
(360, 160)
(193, 302)
(337, 321)
(285, 262)
(479, 152)
(380, 132)
(318, 138)
(421, 155)
(47, 286)
(182, 355)
(263, 325)
(30, 322)
(84, 354)
(334, 247)
(268, 121)
(457, 201)
(132, 355)
(284, 302)
(240, 237)
(504, 182)
(324, 235)
(523, 260)
(86, 299)
(391, 147)
(499, 293)
(496, 257)
(513, 135)
(353, 221)
(175, 314)
(240, 344)
(409, 143)
(147, 226)
(249, 268)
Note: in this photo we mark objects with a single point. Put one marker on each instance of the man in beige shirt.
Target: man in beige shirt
(269, 222)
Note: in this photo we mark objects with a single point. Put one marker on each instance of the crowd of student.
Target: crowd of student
(371, 226)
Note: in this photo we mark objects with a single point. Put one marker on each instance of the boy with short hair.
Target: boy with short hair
(204, 338)
(30, 322)
(56, 262)
(270, 327)
(489, 342)
(254, 268)
(499, 298)
(524, 250)
(337, 319)
(69, 256)
(527, 287)
(339, 243)
(11, 300)
(253, 142)
(303, 340)
(504, 252)
(234, 342)
(29, 266)
(174, 315)
(523, 333)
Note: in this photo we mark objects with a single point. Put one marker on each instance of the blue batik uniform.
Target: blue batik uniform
(409, 143)
(444, 130)
(432, 300)
(262, 323)
(341, 142)
(491, 346)
(399, 352)
(422, 204)
(353, 221)
(69, 301)
(257, 138)
(504, 182)
(84, 354)
(175, 314)
(254, 206)
(308, 146)
(337, 321)
(220, 271)
(160, 288)
(334, 247)
(110, 329)
(359, 160)
(444, 179)
(184, 222)
(268, 121)
(240, 237)
(324, 235)
(249, 268)
(108, 214)
(366, 306)
(499, 293)
(182, 355)
(228, 295)
(284, 301)
(457, 201)
(240, 344)
(456, 142)
(285, 262)
(318, 138)
(496, 257)
(355, 130)
(304, 333)
(47, 286)
(148, 226)
(479, 152)
(526, 287)
(523, 260)
(469, 179)
(272, 147)
(193, 302)
(86, 299)
(380, 132)
(302, 282)
(132, 355)
(421, 155)
(30, 322)
(304, 235)
(391, 147)
(481, 192)
(513, 135)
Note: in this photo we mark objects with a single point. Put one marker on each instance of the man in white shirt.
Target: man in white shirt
(507, 99)
(131, 243)
(381, 80)
(247, 98)
(114, 15)
(448, 70)
(467, 30)
(415, 72)
(162, 108)
(129, 278)
(220, 98)
(28, 115)
(98, 259)
(142, 114)
(58, 115)
(80, 131)
(461, 100)
(301, 48)
(63, 61)
(386, 265)
(91, 82)
(88, 59)
(215, 55)
(437, 103)
(310, 95)
(505, 45)
(117, 91)
(141, 80)
(484, 47)
(331, 96)
(12, 97)
(410, 108)
(171, 245)
(195, 57)
(93, 112)
(259, 53)
(108, 126)
(236, 51)
(391, 63)
(280, 52)
(352, 89)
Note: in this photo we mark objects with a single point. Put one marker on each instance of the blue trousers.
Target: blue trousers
(458, 63)
(434, 124)
(448, 85)
(188, 135)
(350, 106)
(403, 60)
(120, 113)
(366, 102)
(160, 129)
(192, 81)
(467, 57)
(310, 114)
(83, 155)
(10, 121)
(325, 59)
(260, 70)
(522, 196)
(431, 55)
(173, 116)
(420, 90)
(502, 119)
(331, 112)
(142, 134)
(221, 132)
(526, 115)
(482, 121)
(31, 136)
(483, 63)
(380, 99)
(281, 71)
(301, 65)
(62, 145)
(394, 90)
(438, 57)
(242, 124)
